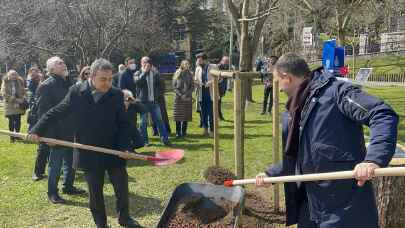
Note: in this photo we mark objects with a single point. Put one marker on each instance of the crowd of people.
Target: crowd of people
(322, 130)
(89, 111)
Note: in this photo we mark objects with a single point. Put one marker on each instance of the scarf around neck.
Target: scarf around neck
(294, 105)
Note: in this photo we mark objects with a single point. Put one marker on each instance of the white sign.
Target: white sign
(363, 75)
(394, 41)
(307, 37)
(363, 44)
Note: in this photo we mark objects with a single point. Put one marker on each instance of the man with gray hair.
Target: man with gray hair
(323, 132)
(50, 93)
(100, 120)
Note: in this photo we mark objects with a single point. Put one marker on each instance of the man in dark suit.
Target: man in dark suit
(50, 93)
(100, 120)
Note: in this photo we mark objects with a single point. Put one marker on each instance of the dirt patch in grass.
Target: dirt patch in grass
(217, 175)
(258, 210)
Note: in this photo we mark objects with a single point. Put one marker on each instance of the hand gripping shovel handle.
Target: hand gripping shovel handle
(394, 171)
(85, 147)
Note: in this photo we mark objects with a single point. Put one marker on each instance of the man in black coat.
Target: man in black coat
(50, 93)
(100, 120)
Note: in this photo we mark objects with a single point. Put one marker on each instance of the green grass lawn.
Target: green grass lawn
(23, 203)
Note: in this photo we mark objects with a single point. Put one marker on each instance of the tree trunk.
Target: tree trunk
(248, 83)
(341, 36)
(390, 199)
(245, 61)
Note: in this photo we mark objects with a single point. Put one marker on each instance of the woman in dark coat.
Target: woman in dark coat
(183, 86)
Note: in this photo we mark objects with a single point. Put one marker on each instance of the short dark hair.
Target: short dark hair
(273, 59)
(201, 55)
(127, 59)
(292, 63)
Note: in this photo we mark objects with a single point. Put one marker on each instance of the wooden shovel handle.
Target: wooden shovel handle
(393, 171)
(84, 147)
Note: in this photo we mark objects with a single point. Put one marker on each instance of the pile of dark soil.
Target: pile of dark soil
(258, 211)
(199, 211)
(217, 175)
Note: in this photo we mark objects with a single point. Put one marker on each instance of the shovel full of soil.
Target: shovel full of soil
(203, 205)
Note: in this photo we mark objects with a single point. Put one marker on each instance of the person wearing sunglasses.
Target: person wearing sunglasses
(84, 74)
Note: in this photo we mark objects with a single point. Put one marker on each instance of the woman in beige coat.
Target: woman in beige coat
(13, 91)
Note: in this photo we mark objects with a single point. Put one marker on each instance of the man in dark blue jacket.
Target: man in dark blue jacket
(99, 120)
(323, 132)
(50, 93)
(126, 78)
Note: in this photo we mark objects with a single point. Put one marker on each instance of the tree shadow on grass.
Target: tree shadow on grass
(139, 206)
(257, 122)
(247, 136)
(73, 203)
(232, 127)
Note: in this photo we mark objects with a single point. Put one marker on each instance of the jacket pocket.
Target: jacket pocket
(331, 194)
(329, 158)
(332, 153)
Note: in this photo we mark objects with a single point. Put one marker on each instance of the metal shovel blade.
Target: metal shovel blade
(168, 157)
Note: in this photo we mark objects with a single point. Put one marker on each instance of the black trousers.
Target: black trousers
(268, 99)
(119, 180)
(181, 128)
(14, 122)
(42, 159)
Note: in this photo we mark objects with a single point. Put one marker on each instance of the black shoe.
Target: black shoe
(73, 191)
(103, 226)
(262, 113)
(56, 199)
(131, 223)
(178, 136)
(38, 177)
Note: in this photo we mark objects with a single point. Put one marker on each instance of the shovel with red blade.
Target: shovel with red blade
(160, 159)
